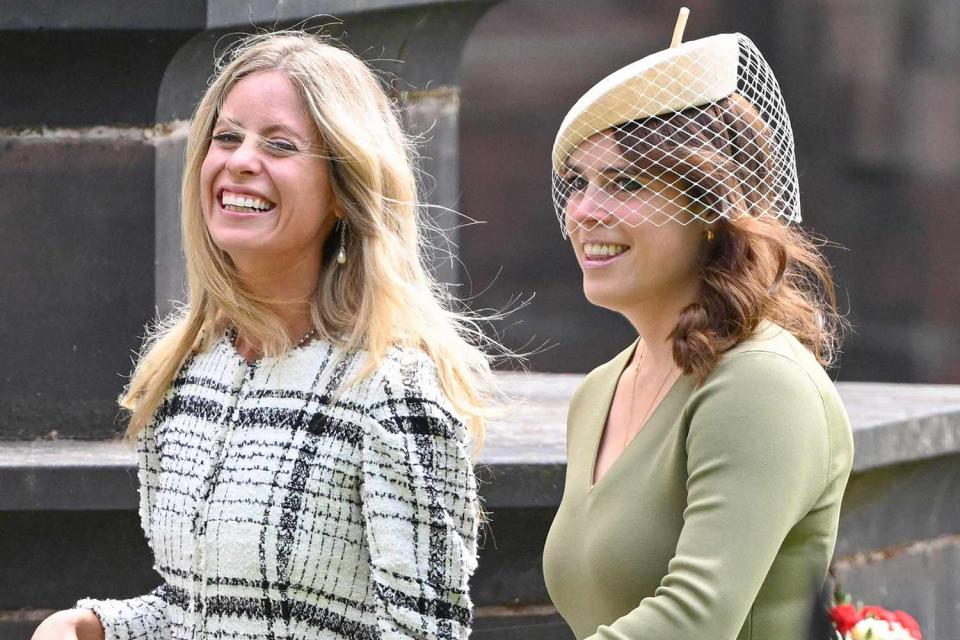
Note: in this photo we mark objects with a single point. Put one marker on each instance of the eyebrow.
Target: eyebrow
(273, 128)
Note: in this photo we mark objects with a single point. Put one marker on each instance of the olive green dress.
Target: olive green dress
(719, 519)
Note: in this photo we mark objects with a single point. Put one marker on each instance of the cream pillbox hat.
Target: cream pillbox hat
(692, 74)
(714, 98)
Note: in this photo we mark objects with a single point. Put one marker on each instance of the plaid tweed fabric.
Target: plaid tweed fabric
(276, 509)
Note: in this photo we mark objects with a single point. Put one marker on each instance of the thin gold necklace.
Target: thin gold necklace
(630, 432)
(234, 337)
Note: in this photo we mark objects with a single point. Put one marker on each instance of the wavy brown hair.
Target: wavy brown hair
(756, 267)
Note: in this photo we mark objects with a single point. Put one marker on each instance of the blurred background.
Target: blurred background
(92, 124)
(873, 91)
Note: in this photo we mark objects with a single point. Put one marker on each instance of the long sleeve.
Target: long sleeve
(144, 617)
(757, 452)
(140, 618)
(419, 509)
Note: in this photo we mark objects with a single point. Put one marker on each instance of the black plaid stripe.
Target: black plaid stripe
(415, 478)
(280, 481)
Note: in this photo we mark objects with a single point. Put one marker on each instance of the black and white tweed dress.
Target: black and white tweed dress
(276, 509)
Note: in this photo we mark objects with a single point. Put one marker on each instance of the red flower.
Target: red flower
(908, 622)
(845, 617)
(879, 613)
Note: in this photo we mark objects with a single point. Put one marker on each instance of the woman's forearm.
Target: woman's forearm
(82, 624)
(88, 625)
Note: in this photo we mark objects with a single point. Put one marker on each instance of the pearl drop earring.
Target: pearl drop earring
(342, 253)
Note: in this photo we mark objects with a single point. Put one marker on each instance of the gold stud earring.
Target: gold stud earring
(710, 235)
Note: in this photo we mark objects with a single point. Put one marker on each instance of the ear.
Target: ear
(335, 206)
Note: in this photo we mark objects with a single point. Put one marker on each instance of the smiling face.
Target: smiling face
(265, 187)
(633, 234)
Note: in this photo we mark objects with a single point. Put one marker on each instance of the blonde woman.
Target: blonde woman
(305, 426)
(707, 461)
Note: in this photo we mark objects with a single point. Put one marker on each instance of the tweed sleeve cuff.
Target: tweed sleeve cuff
(141, 618)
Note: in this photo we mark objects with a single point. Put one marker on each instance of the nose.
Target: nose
(245, 158)
(585, 208)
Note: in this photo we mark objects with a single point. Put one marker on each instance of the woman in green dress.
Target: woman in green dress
(707, 461)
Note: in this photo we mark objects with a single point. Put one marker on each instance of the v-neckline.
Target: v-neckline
(605, 417)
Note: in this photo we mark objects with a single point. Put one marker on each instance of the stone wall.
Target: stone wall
(68, 524)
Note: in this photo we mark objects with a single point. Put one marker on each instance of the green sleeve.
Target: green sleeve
(757, 458)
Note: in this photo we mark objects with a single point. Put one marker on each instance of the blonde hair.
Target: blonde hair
(380, 298)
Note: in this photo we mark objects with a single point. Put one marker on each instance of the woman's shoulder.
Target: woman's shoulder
(406, 370)
(770, 337)
(767, 396)
(773, 372)
(405, 382)
(206, 368)
(772, 351)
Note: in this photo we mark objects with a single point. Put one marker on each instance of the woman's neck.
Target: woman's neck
(287, 286)
(655, 320)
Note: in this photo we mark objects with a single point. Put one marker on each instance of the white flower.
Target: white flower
(874, 629)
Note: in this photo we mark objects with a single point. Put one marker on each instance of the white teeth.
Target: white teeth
(236, 200)
(603, 250)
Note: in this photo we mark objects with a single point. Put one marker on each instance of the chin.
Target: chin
(238, 242)
(603, 296)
